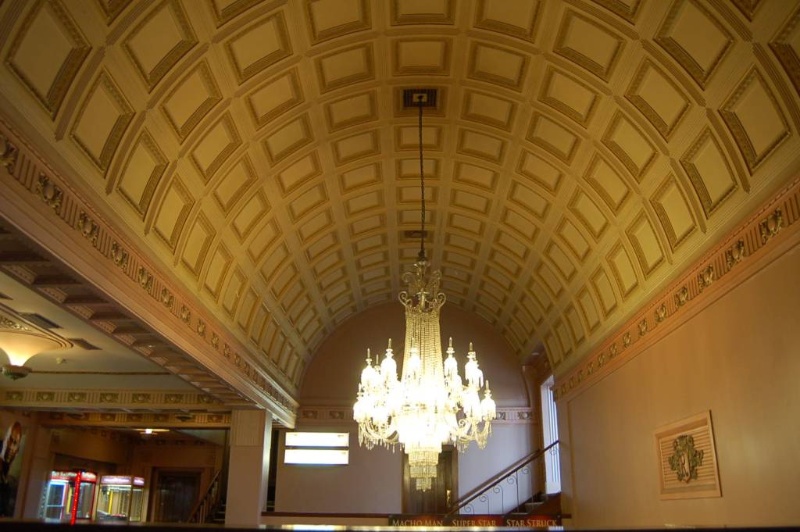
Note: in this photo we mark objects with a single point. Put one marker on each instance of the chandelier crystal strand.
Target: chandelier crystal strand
(429, 405)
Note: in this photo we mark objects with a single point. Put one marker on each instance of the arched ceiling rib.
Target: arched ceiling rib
(582, 153)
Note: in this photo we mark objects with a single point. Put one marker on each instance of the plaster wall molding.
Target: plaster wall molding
(35, 199)
(766, 234)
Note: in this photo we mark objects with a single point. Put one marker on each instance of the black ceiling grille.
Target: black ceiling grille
(80, 342)
(40, 321)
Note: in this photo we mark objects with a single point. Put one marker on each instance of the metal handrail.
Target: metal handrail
(208, 502)
(497, 479)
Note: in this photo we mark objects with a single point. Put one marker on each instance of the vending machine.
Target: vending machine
(69, 496)
(120, 499)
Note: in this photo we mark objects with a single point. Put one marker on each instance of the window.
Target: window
(550, 428)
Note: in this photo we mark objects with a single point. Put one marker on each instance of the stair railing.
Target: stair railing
(495, 487)
(209, 501)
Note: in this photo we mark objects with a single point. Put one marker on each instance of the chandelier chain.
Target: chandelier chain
(429, 404)
(421, 186)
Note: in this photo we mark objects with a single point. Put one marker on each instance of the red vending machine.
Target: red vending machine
(69, 496)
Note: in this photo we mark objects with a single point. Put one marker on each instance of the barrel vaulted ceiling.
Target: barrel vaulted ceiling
(581, 154)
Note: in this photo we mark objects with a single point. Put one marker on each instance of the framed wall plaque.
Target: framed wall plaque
(687, 459)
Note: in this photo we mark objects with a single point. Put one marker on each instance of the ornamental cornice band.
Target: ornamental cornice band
(751, 238)
(344, 415)
(39, 180)
(111, 400)
(8, 154)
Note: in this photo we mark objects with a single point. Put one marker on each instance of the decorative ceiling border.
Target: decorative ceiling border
(344, 414)
(29, 170)
(134, 420)
(12, 322)
(111, 400)
(773, 226)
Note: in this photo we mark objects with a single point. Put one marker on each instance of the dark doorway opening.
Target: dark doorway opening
(442, 494)
(174, 494)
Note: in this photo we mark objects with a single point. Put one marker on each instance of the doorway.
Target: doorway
(442, 494)
(174, 494)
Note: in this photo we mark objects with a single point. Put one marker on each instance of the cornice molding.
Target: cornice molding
(111, 400)
(12, 322)
(215, 420)
(770, 231)
(333, 415)
(164, 305)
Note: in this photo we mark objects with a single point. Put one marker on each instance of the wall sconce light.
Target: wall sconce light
(14, 372)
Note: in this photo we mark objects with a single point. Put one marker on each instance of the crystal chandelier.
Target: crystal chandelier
(429, 405)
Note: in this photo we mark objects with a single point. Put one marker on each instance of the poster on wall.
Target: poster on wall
(10, 467)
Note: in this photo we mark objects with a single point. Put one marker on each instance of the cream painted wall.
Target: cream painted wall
(369, 484)
(332, 378)
(738, 358)
(372, 482)
(97, 446)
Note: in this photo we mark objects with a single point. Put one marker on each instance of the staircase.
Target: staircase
(541, 505)
(217, 515)
(210, 508)
(513, 493)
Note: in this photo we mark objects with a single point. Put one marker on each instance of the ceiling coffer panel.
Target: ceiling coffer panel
(578, 157)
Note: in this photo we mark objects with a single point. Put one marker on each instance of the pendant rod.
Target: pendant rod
(421, 256)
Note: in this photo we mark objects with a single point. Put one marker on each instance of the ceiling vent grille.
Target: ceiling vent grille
(80, 342)
(40, 321)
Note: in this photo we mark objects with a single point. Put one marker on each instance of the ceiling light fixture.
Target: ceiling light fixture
(148, 431)
(430, 405)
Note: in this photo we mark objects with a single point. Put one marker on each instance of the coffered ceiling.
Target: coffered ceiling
(580, 156)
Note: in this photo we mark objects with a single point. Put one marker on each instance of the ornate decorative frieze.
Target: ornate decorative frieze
(40, 180)
(8, 154)
(167, 298)
(705, 277)
(735, 254)
(88, 228)
(344, 414)
(682, 296)
(643, 327)
(6, 323)
(76, 397)
(750, 239)
(127, 420)
(109, 400)
(661, 313)
(49, 192)
(119, 255)
(771, 225)
(145, 278)
(186, 314)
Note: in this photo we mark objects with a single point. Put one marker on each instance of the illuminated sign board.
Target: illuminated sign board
(317, 448)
